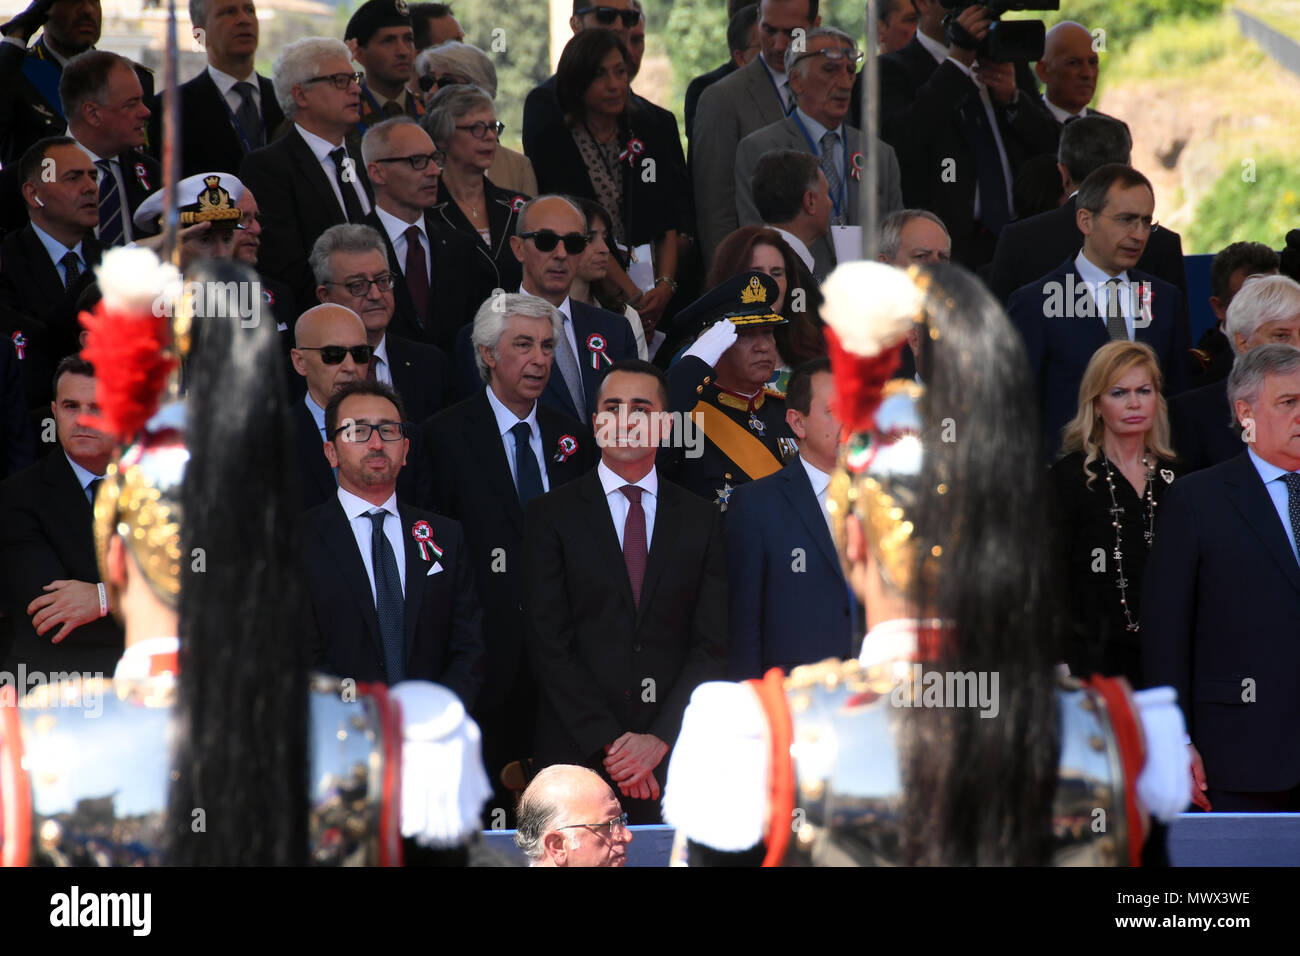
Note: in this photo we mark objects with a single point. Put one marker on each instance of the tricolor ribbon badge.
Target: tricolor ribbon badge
(423, 536)
(517, 203)
(267, 297)
(632, 150)
(1144, 302)
(857, 162)
(567, 445)
(20, 344)
(142, 174)
(596, 346)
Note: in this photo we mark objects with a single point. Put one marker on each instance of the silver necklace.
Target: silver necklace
(1149, 534)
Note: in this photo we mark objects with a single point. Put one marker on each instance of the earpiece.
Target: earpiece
(38, 201)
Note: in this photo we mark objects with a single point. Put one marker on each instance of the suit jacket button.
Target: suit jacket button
(636, 648)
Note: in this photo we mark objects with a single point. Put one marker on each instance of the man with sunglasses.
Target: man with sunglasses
(548, 832)
(310, 178)
(381, 39)
(391, 594)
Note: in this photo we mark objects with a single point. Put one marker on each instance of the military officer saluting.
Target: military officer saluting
(721, 383)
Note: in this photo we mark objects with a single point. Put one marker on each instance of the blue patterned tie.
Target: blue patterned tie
(528, 477)
(1293, 503)
(832, 171)
(110, 206)
(389, 603)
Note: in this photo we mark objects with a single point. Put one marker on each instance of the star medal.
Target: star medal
(724, 496)
(756, 424)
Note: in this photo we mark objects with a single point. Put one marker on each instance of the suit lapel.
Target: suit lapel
(314, 173)
(484, 444)
(596, 516)
(501, 216)
(663, 545)
(799, 492)
(44, 272)
(1249, 496)
(76, 516)
(553, 429)
(761, 90)
(342, 546)
(417, 569)
(322, 476)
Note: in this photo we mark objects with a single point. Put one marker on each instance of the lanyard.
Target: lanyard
(843, 198)
(239, 129)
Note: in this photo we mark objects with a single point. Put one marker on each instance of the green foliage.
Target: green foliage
(696, 39)
(1125, 20)
(524, 32)
(1235, 209)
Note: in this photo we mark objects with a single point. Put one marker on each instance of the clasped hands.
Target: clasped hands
(630, 761)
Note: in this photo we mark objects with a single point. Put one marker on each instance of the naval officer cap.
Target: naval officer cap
(373, 15)
(747, 300)
(206, 197)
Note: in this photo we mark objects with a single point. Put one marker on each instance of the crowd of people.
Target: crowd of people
(473, 339)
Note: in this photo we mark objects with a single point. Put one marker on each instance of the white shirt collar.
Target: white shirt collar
(563, 308)
(797, 244)
(1095, 274)
(320, 148)
(506, 419)
(94, 157)
(56, 249)
(1060, 114)
(818, 478)
(84, 477)
(816, 130)
(317, 413)
(934, 47)
(396, 227)
(354, 507)
(611, 482)
(381, 350)
(225, 82)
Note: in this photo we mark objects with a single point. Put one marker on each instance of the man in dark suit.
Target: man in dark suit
(490, 455)
(742, 43)
(791, 195)
(45, 266)
(617, 655)
(788, 600)
(1099, 296)
(1069, 69)
(228, 110)
(1222, 597)
(380, 36)
(390, 587)
(1030, 247)
(308, 179)
(1266, 311)
(57, 605)
(441, 279)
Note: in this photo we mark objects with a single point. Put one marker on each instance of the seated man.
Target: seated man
(549, 832)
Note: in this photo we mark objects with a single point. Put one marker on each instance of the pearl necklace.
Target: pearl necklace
(1115, 512)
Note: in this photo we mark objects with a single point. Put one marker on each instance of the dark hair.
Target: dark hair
(421, 14)
(579, 63)
(581, 4)
(798, 393)
(359, 386)
(742, 21)
(86, 78)
(33, 159)
(735, 6)
(637, 367)
(781, 178)
(1037, 186)
(593, 211)
(71, 365)
(242, 714)
(1092, 141)
(887, 7)
(812, 8)
(1252, 256)
(1093, 190)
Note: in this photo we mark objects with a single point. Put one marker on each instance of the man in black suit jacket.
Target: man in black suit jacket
(308, 179)
(46, 265)
(228, 110)
(1030, 247)
(1069, 313)
(371, 620)
(53, 596)
(477, 479)
(626, 602)
(1222, 597)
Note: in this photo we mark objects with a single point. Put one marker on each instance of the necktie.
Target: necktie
(1293, 502)
(351, 204)
(833, 174)
(110, 206)
(417, 273)
(389, 604)
(569, 370)
(372, 370)
(92, 487)
(71, 268)
(1115, 327)
(249, 119)
(634, 543)
(787, 98)
(528, 478)
(995, 208)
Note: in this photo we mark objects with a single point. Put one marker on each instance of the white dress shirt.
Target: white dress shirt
(321, 149)
(58, 250)
(1060, 114)
(506, 420)
(84, 477)
(796, 244)
(396, 230)
(564, 310)
(226, 86)
(619, 505)
(1271, 475)
(358, 510)
(115, 167)
(1096, 280)
(379, 359)
(782, 84)
(820, 481)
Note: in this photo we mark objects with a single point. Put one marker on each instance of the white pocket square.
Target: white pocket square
(433, 570)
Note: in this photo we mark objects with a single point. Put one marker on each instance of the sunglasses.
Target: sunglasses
(545, 241)
(429, 82)
(606, 16)
(335, 354)
(341, 81)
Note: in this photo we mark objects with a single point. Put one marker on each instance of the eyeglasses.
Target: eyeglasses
(341, 81)
(1130, 221)
(606, 16)
(837, 55)
(545, 240)
(612, 826)
(360, 432)
(243, 222)
(384, 282)
(335, 354)
(419, 160)
(428, 83)
(480, 130)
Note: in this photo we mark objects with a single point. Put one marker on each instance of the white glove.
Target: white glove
(709, 347)
(1165, 784)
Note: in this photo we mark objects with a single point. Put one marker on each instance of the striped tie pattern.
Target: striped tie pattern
(111, 230)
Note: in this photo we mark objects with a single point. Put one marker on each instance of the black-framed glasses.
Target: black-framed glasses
(606, 16)
(545, 240)
(837, 55)
(384, 282)
(480, 130)
(611, 826)
(360, 432)
(419, 160)
(335, 354)
(341, 81)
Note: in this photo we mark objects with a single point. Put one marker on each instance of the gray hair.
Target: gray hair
(448, 106)
(348, 237)
(891, 230)
(463, 59)
(538, 816)
(296, 64)
(1261, 299)
(198, 13)
(792, 55)
(490, 322)
(1249, 371)
(522, 218)
(375, 142)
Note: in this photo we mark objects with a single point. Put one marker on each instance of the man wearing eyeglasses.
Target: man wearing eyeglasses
(441, 279)
(560, 795)
(821, 79)
(310, 178)
(382, 40)
(389, 585)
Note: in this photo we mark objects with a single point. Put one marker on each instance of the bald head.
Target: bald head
(563, 819)
(1069, 66)
(317, 334)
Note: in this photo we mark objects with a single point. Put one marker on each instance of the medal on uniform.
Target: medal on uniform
(566, 446)
(596, 346)
(724, 496)
(788, 448)
(423, 536)
(856, 162)
(517, 204)
(756, 423)
(631, 151)
(142, 174)
(20, 344)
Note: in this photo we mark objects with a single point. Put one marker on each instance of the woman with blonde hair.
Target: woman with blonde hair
(1116, 466)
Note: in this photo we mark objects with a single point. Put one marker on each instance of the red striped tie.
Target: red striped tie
(634, 543)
